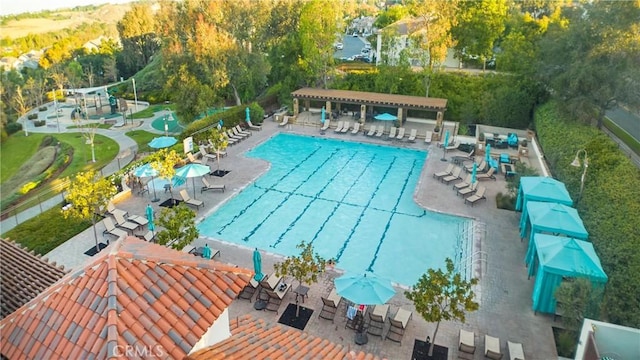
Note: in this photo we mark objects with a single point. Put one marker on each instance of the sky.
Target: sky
(12, 7)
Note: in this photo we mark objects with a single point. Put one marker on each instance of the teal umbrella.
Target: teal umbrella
(192, 171)
(446, 138)
(163, 142)
(323, 115)
(247, 112)
(364, 289)
(473, 173)
(257, 265)
(150, 218)
(488, 154)
(206, 252)
(147, 170)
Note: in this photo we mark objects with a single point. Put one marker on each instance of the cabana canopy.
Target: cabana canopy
(560, 257)
(551, 218)
(540, 188)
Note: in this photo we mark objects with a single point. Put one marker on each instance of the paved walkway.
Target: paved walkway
(504, 292)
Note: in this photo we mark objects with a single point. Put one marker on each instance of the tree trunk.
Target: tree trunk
(236, 96)
(433, 341)
(600, 119)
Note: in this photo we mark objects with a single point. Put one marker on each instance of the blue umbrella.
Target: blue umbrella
(206, 252)
(163, 142)
(488, 154)
(257, 265)
(147, 170)
(364, 289)
(323, 115)
(151, 225)
(192, 171)
(473, 173)
(386, 117)
(247, 112)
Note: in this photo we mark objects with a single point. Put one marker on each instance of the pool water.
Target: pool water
(353, 201)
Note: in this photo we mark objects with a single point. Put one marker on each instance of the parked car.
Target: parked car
(339, 46)
(365, 51)
(355, 34)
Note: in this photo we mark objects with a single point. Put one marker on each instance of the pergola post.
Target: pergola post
(295, 107)
(327, 108)
(363, 113)
(400, 111)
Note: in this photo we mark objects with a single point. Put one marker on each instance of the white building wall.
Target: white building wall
(218, 332)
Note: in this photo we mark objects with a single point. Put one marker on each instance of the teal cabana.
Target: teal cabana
(543, 189)
(551, 218)
(558, 258)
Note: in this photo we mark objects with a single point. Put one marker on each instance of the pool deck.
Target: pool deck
(504, 292)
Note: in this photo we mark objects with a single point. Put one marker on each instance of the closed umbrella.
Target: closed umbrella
(323, 115)
(192, 171)
(488, 154)
(147, 170)
(257, 265)
(365, 289)
(473, 173)
(444, 146)
(163, 142)
(247, 113)
(150, 218)
(206, 252)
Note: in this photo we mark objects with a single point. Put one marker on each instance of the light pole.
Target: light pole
(585, 164)
(167, 117)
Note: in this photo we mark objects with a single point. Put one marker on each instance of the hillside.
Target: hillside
(108, 14)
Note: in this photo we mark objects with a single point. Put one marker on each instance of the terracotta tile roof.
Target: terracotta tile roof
(257, 339)
(132, 293)
(24, 276)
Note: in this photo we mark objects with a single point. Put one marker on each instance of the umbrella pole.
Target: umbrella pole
(155, 197)
(193, 182)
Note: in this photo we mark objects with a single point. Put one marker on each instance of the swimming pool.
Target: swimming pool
(353, 201)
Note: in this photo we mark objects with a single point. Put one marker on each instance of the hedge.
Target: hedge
(231, 117)
(609, 206)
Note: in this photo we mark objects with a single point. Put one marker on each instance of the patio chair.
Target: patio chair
(249, 290)
(377, 319)
(121, 222)
(149, 236)
(452, 146)
(463, 184)
(140, 220)
(372, 130)
(462, 158)
(479, 195)
(270, 282)
(428, 136)
(254, 127)
(218, 152)
(444, 173)
(242, 131)
(400, 133)
(380, 131)
(234, 136)
(339, 127)
(398, 325)
(188, 200)
(112, 229)
(239, 133)
(356, 128)
(515, 351)
(455, 175)
(492, 347)
(112, 210)
(330, 305)
(412, 135)
(346, 127)
(487, 175)
(285, 120)
(274, 297)
(392, 133)
(325, 126)
(230, 140)
(479, 169)
(208, 186)
(192, 159)
(468, 190)
(466, 344)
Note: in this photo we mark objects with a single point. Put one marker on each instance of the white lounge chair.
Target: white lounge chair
(492, 347)
(346, 127)
(339, 127)
(428, 136)
(372, 130)
(326, 125)
(467, 344)
(121, 222)
(398, 325)
(479, 195)
(412, 135)
(111, 209)
(330, 305)
(188, 200)
(377, 318)
(285, 120)
(392, 133)
(400, 133)
(356, 128)
(208, 186)
(254, 127)
(239, 131)
(515, 351)
(112, 229)
(380, 131)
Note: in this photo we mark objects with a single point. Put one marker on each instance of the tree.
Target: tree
(304, 267)
(219, 142)
(441, 296)
(137, 30)
(179, 227)
(165, 165)
(89, 194)
(318, 28)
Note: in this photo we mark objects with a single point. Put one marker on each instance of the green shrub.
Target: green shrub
(505, 201)
(13, 127)
(32, 116)
(42, 108)
(231, 117)
(609, 206)
(39, 123)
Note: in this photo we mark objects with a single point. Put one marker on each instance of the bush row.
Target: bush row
(609, 206)
(231, 117)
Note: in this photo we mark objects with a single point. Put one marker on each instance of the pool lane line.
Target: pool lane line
(326, 159)
(346, 243)
(313, 199)
(386, 228)
(242, 212)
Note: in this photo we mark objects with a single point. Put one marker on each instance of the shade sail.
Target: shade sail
(551, 218)
(540, 188)
(559, 257)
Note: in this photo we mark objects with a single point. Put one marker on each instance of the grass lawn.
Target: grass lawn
(47, 231)
(15, 151)
(623, 135)
(142, 138)
(148, 112)
(100, 126)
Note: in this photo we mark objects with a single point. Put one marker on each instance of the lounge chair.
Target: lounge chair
(121, 222)
(237, 132)
(346, 127)
(140, 220)
(218, 152)
(326, 125)
(270, 282)
(253, 127)
(148, 236)
(188, 200)
(428, 136)
(380, 131)
(444, 173)
(412, 135)
(462, 158)
(112, 210)
(112, 229)
(208, 186)
(400, 133)
(249, 290)
(452, 146)
(285, 121)
(242, 131)
(377, 319)
(192, 159)
(398, 325)
(463, 184)
(479, 195)
(492, 347)
(234, 136)
(356, 128)
(274, 297)
(455, 175)
(468, 190)
(372, 130)
(330, 305)
(230, 140)
(392, 133)
(515, 351)
(480, 168)
(466, 344)
(339, 127)
(487, 175)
